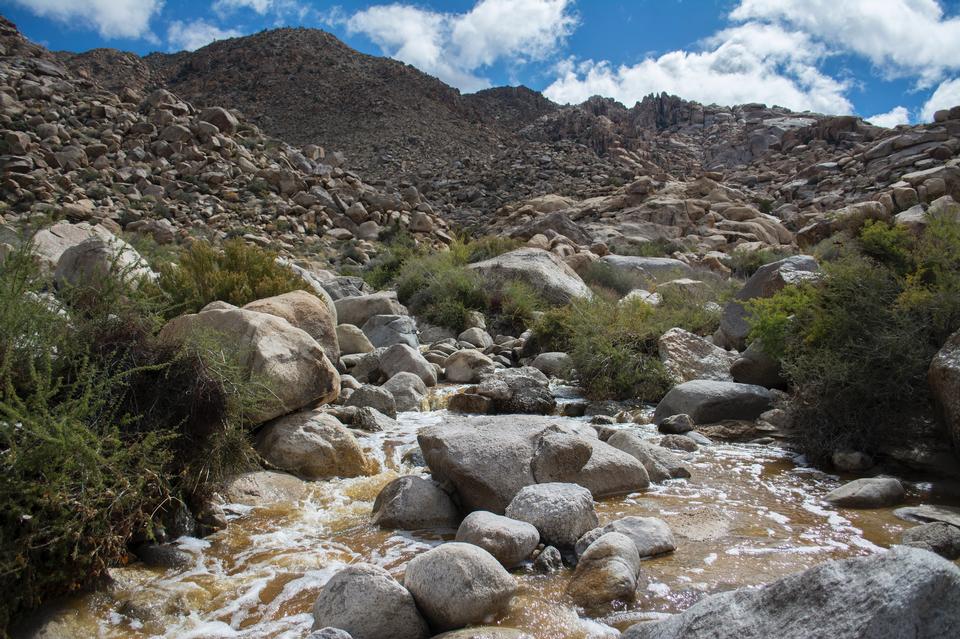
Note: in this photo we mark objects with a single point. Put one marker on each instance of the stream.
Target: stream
(748, 515)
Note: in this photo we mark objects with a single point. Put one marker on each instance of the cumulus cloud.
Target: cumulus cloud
(903, 37)
(895, 116)
(456, 46)
(227, 6)
(748, 63)
(111, 18)
(947, 95)
(188, 36)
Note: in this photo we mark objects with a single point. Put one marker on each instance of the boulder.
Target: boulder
(357, 310)
(467, 366)
(562, 513)
(408, 390)
(290, 362)
(401, 358)
(937, 537)
(522, 390)
(549, 560)
(660, 463)
(476, 337)
(371, 420)
(679, 442)
(553, 364)
(307, 312)
(768, 279)
(688, 356)
(707, 401)
(50, 243)
(510, 541)
(387, 330)
(92, 260)
(352, 340)
(414, 503)
(227, 123)
(905, 592)
(944, 380)
(374, 397)
(486, 632)
(650, 535)
(263, 488)
(556, 282)
(458, 584)
(676, 424)
(754, 366)
(654, 269)
(365, 601)
(607, 571)
(312, 445)
(329, 633)
(489, 459)
(868, 492)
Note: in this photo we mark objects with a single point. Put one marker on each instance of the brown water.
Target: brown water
(748, 515)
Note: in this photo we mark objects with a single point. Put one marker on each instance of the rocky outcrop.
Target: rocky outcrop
(944, 379)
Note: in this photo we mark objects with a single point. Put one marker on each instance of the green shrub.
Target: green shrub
(490, 246)
(744, 263)
(385, 267)
(440, 290)
(605, 276)
(515, 306)
(238, 274)
(888, 244)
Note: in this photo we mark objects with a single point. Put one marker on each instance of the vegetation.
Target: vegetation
(92, 456)
(744, 263)
(856, 346)
(653, 248)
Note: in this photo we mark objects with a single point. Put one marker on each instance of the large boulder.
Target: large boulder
(936, 536)
(263, 488)
(653, 269)
(375, 397)
(352, 340)
(312, 445)
(457, 584)
(660, 463)
(387, 330)
(368, 603)
(553, 364)
(688, 356)
(49, 244)
(868, 492)
(489, 459)
(768, 280)
(307, 312)
(556, 282)
(509, 540)
(408, 390)
(905, 592)
(944, 379)
(414, 503)
(607, 571)
(518, 390)
(401, 358)
(754, 366)
(650, 535)
(708, 401)
(357, 310)
(467, 366)
(285, 358)
(90, 261)
(562, 513)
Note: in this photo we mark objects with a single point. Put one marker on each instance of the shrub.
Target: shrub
(515, 306)
(653, 248)
(490, 246)
(239, 274)
(384, 269)
(888, 244)
(603, 275)
(440, 290)
(744, 263)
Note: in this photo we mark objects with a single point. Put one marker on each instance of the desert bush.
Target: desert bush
(744, 263)
(438, 288)
(490, 246)
(237, 274)
(604, 276)
(515, 306)
(386, 266)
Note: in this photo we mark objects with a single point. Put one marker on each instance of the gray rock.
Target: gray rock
(928, 512)
(329, 633)
(477, 337)
(905, 592)
(510, 541)
(650, 535)
(414, 503)
(263, 488)
(387, 330)
(868, 492)
(401, 358)
(467, 366)
(91, 261)
(163, 556)
(553, 364)
(522, 390)
(556, 282)
(457, 584)
(754, 366)
(549, 560)
(312, 445)
(688, 356)
(607, 571)
(357, 310)
(307, 312)
(676, 424)
(660, 463)
(710, 401)
(408, 390)
(559, 455)
(851, 461)
(937, 537)
(365, 601)
(375, 397)
(654, 269)
(560, 512)
(678, 442)
(944, 380)
(352, 340)
(371, 420)
(486, 632)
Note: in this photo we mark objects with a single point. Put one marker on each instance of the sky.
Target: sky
(890, 61)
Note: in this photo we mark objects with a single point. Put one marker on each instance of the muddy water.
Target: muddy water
(748, 515)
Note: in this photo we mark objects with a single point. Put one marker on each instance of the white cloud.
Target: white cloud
(748, 63)
(947, 95)
(893, 117)
(111, 18)
(454, 47)
(903, 37)
(227, 6)
(193, 35)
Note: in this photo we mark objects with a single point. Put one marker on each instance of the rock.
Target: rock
(357, 310)
(401, 358)
(387, 330)
(559, 455)
(263, 488)
(654, 269)
(905, 592)
(607, 571)
(306, 312)
(944, 380)
(928, 512)
(467, 366)
(549, 560)
(50, 243)
(372, 421)
(868, 492)
(329, 633)
(768, 279)
(164, 556)
(368, 603)
(90, 261)
(754, 366)
(708, 401)
(660, 463)
(414, 503)
(650, 535)
(688, 356)
(553, 364)
(851, 461)
(470, 403)
(522, 390)
(489, 459)
(486, 632)
(676, 424)
(312, 445)
(556, 282)
(678, 442)
(937, 537)
(287, 359)
(560, 512)
(476, 337)
(457, 584)
(510, 541)
(352, 340)
(375, 397)
(226, 122)
(408, 390)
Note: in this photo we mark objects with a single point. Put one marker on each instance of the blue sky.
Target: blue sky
(894, 61)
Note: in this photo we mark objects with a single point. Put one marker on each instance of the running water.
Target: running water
(747, 516)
